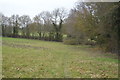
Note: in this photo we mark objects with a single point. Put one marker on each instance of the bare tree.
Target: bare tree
(46, 21)
(4, 24)
(25, 21)
(38, 24)
(15, 24)
(58, 17)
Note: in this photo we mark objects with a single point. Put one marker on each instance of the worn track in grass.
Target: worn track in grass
(42, 59)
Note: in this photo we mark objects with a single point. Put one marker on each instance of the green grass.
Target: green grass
(42, 59)
(0, 57)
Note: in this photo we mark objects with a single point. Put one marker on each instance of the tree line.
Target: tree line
(44, 26)
(93, 23)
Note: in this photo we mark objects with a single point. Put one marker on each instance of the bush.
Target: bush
(90, 42)
(71, 41)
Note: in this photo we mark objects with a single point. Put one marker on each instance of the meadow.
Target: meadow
(25, 58)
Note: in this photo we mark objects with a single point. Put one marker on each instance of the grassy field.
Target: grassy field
(42, 59)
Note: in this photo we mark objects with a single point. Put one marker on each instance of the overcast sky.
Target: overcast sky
(32, 7)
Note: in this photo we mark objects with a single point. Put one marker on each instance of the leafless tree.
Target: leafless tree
(58, 17)
(25, 21)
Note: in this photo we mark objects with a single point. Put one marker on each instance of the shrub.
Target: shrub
(71, 41)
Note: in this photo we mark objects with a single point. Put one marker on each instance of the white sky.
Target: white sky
(32, 7)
